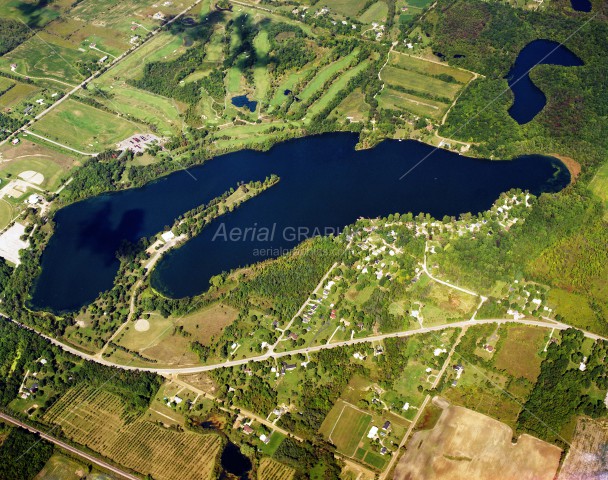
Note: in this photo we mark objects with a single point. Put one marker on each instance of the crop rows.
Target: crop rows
(273, 470)
(96, 419)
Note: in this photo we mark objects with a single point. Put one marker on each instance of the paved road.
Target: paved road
(92, 77)
(69, 448)
(316, 348)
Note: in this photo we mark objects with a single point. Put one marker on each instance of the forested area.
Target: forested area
(12, 34)
(20, 350)
(559, 392)
(486, 37)
(23, 454)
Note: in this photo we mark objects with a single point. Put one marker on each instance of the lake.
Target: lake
(529, 99)
(325, 184)
(243, 101)
(581, 5)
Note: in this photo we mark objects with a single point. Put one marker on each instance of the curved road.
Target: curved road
(316, 348)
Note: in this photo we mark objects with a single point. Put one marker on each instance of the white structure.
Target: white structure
(168, 236)
(373, 432)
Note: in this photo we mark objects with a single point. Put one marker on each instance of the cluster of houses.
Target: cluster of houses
(376, 433)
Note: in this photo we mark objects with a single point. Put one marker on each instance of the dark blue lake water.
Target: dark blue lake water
(324, 183)
(581, 5)
(529, 99)
(243, 101)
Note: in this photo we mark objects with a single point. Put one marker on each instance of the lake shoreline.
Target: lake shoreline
(572, 165)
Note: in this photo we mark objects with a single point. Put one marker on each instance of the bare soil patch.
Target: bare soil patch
(467, 445)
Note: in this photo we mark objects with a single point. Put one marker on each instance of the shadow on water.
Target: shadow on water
(324, 183)
(234, 462)
(581, 5)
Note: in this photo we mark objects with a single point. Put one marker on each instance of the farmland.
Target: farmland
(270, 469)
(457, 449)
(97, 419)
(423, 87)
(586, 455)
(599, 185)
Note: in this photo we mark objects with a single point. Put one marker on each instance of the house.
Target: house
(383, 451)
(488, 348)
(247, 430)
(28, 110)
(289, 366)
(264, 439)
(387, 426)
(332, 315)
(159, 16)
(406, 406)
(15, 141)
(43, 361)
(103, 59)
(168, 236)
(293, 336)
(373, 432)
(378, 351)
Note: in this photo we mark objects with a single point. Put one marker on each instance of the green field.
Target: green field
(419, 65)
(419, 82)
(348, 8)
(33, 15)
(338, 85)
(344, 426)
(6, 213)
(599, 186)
(519, 354)
(18, 94)
(325, 74)
(84, 128)
(51, 171)
(394, 99)
(376, 13)
(45, 56)
(261, 75)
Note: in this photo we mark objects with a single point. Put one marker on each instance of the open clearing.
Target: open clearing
(467, 445)
(142, 325)
(83, 127)
(97, 419)
(599, 186)
(344, 426)
(519, 355)
(208, 323)
(586, 458)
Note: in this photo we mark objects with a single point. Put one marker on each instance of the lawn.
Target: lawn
(325, 74)
(6, 213)
(519, 353)
(288, 83)
(52, 172)
(85, 128)
(275, 440)
(336, 87)
(344, 426)
(353, 107)
(261, 75)
(32, 13)
(145, 106)
(61, 467)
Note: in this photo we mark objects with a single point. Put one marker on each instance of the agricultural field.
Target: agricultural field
(586, 457)
(85, 128)
(32, 14)
(97, 419)
(270, 469)
(348, 8)
(377, 12)
(420, 86)
(457, 448)
(344, 426)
